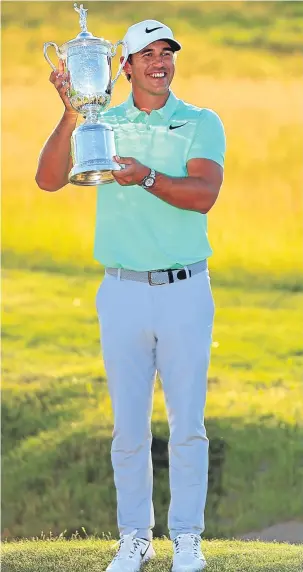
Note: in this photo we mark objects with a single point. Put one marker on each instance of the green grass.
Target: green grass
(276, 27)
(94, 555)
(57, 418)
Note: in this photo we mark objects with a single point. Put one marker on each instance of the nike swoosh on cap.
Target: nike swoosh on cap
(152, 29)
(176, 126)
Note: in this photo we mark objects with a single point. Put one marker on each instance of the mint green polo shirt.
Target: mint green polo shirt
(136, 230)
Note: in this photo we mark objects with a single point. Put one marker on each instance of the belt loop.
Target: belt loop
(119, 274)
(187, 272)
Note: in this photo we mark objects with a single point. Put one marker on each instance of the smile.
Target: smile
(158, 74)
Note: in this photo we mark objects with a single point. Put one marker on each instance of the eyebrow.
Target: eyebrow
(150, 50)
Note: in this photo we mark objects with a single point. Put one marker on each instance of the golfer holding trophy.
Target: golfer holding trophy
(163, 159)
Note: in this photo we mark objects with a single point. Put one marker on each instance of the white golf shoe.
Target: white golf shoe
(188, 556)
(132, 553)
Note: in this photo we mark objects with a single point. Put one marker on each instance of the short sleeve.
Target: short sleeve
(209, 141)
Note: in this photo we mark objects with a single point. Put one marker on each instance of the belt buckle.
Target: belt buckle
(149, 273)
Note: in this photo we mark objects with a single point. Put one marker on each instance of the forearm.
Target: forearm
(189, 193)
(55, 160)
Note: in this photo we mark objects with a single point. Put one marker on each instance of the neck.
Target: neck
(147, 101)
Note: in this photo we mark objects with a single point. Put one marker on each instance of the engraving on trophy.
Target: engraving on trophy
(81, 53)
(102, 161)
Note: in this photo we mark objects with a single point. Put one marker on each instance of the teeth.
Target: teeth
(157, 74)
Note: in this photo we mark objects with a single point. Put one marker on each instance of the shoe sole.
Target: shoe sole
(145, 559)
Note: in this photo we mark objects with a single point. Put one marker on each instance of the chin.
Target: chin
(161, 90)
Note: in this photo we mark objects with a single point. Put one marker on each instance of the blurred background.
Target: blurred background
(244, 60)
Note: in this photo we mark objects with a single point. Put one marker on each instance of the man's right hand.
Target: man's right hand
(61, 81)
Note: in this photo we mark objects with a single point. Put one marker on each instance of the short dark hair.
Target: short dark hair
(129, 60)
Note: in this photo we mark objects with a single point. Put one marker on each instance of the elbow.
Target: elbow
(203, 208)
(206, 206)
(44, 186)
(206, 209)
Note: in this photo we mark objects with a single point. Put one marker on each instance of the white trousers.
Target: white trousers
(168, 329)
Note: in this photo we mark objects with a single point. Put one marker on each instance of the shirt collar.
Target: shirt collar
(165, 112)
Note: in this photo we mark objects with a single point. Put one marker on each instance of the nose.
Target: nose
(158, 59)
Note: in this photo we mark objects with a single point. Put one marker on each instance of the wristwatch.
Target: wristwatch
(149, 181)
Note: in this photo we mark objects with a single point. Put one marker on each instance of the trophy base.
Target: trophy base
(92, 178)
(93, 149)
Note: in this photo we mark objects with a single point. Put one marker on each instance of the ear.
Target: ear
(127, 68)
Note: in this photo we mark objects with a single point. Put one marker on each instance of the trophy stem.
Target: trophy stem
(91, 113)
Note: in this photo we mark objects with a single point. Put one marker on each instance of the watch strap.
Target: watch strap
(151, 175)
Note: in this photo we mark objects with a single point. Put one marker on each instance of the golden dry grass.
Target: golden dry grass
(257, 221)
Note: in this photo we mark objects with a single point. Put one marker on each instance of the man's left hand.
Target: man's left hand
(133, 173)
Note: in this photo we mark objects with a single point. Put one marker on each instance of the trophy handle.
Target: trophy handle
(113, 53)
(46, 46)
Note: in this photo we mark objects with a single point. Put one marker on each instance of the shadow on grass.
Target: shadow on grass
(62, 480)
(27, 413)
(255, 476)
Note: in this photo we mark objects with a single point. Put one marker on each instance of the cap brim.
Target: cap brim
(175, 45)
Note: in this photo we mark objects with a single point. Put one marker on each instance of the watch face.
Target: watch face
(149, 182)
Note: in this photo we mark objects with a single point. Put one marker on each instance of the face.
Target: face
(152, 69)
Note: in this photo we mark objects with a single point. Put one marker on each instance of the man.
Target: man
(155, 304)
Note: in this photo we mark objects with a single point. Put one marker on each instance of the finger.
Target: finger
(121, 181)
(118, 178)
(61, 66)
(53, 76)
(64, 89)
(124, 160)
(62, 82)
(115, 175)
(125, 172)
(60, 85)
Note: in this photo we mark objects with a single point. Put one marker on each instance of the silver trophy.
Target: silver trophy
(88, 61)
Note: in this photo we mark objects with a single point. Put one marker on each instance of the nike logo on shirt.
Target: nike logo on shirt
(152, 29)
(177, 126)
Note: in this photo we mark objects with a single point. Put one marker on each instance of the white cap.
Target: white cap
(140, 35)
